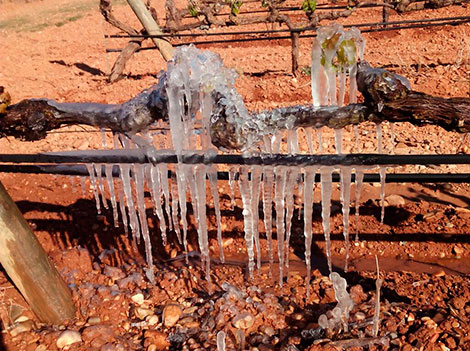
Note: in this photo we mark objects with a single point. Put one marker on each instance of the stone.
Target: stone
(138, 298)
(21, 327)
(142, 313)
(68, 337)
(94, 320)
(243, 321)
(114, 273)
(171, 315)
(457, 250)
(98, 335)
(156, 338)
(395, 200)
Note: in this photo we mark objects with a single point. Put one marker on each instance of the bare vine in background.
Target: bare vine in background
(204, 14)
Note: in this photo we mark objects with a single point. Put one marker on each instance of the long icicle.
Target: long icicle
(94, 186)
(279, 201)
(141, 209)
(268, 179)
(112, 193)
(345, 202)
(212, 174)
(245, 191)
(326, 188)
(255, 193)
(309, 185)
(155, 192)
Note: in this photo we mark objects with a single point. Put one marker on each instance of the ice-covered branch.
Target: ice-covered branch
(387, 97)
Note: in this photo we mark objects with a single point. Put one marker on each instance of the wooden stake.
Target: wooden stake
(28, 266)
(152, 28)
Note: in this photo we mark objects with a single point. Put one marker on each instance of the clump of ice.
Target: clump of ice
(340, 314)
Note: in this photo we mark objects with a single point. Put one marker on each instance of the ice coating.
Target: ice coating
(326, 188)
(291, 181)
(345, 303)
(153, 182)
(127, 187)
(99, 178)
(221, 341)
(231, 182)
(378, 285)
(382, 173)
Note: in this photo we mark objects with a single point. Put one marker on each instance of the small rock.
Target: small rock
(156, 338)
(457, 250)
(171, 315)
(439, 273)
(458, 302)
(243, 321)
(142, 313)
(138, 298)
(359, 316)
(94, 320)
(114, 273)
(395, 200)
(21, 327)
(152, 320)
(98, 335)
(357, 294)
(68, 337)
(269, 331)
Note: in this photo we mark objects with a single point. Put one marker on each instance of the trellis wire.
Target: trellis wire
(411, 24)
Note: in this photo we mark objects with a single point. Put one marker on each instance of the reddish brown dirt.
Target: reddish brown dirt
(423, 246)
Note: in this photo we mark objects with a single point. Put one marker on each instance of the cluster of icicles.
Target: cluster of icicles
(192, 76)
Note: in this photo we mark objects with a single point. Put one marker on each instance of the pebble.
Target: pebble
(269, 331)
(359, 316)
(171, 315)
(142, 313)
(138, 298)
(94, 320)
(21, 327)
(457, 250)
(68, 337)
(243, 321)
(114, 273)
(155, 340)
(395, 200)
(152, 320)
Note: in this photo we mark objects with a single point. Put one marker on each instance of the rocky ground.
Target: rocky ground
(55, 49)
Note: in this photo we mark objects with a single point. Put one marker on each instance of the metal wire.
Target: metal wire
(418, 24)
(167, 156)
(294, 30)
(81, 170)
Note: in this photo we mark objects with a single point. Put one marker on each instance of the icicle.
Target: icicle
(292, 141)
(356, 137)
(82, 184)
(99, 177)
(255, 192)
(300, 194)
(199, 172)
(359, 180)
(345, 201)
(320, 141)
(103, 138)
(382, 172)
(292, 174)
(139, 187)
(163, 176)
(342, 85)
(247, 216)
(376, 318)
(122, 207)
(155, 192)
(353, 84)
(318, 78)
(308, 212)
(174, 213)
(308, 135)
(72, 184)
(112, 193)
(392, 137)
(378, 127)
(326, 187)
(279, 196)
(231, 181)
(94, 186)
(339, 141)
(221, 341)
(126, 184)
(268, 178)
(215, 195)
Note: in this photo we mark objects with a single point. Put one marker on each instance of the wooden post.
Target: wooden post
(28, 266)
(152, 28)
